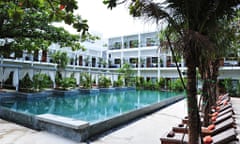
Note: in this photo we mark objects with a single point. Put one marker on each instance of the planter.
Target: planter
(65, 92)
(41, 94)
(107, 89)
(89, 91)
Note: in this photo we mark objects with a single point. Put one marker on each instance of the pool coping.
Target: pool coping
(62, 121)
(81, 130)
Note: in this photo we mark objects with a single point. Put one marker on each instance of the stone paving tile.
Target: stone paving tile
(148, 129)
(11, 133)
(43, 138)
(236, 107)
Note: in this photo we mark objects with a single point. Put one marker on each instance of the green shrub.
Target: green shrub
(104, 82)
(9, 82)
(176, 85)
(156, 86)
(162, 82)
(58, 78)
(61, 59)
(238, 88)
(139, 82)
(26, 84)
(86, 80)
(41, 81)
(149, 85)
(130, 81)
(119, 82)
(228, 86)
(68, 83)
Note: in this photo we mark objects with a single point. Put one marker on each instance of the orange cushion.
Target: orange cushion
(213, 119)
(207, 140)
(211, 127)
(215, 114)
(220, 97)
(217, 108)
(225, 103)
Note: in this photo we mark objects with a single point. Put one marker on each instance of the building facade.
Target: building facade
(148, 60)
(141, 51)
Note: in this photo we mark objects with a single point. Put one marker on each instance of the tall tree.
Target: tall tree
(27, 24)
(191, 20)
(223, 36)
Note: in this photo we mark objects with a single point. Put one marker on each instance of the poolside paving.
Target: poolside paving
(142, 131)
(147, 129)
(236, 107)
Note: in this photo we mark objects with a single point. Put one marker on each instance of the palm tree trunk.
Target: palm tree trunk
(215, 67)
(193, 112)
(205, 103)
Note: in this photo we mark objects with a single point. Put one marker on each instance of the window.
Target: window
(117, 61)
(154, 60)
(150, 42)
(133, 60)
(133, 43)
(117, 45)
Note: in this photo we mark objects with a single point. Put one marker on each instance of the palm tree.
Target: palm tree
(191, 20)
(222, 36)
(127, 74)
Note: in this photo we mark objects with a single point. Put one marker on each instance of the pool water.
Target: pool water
(89, 107)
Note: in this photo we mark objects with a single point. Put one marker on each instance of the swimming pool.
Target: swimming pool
(80, 116)
(89, 107)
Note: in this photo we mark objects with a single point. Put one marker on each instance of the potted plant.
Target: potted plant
(104, 63)
(134, 44)
(68, 82)
(104, 82)
(61, 59)
(142, 62)
(117, 45)
(86, 80)
(26, 84)
(100, 62)
(41, 81)
(161, 62)
(119, 82)
(109, 63)
(86, 83)
(125, 44)
(87, 61)
(134, 62)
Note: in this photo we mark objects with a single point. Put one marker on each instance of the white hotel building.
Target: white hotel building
(140, 50)
(151, 62)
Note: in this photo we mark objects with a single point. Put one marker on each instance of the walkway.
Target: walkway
(145, 130)
(236, 107)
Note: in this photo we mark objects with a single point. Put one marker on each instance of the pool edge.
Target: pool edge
(98, 128)
(90, 131)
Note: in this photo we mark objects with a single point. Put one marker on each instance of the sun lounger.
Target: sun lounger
(223, 118)
(224, 97)
(221, 138)
(230, 109)
(218, 119)
(224, 107)
(229, 123)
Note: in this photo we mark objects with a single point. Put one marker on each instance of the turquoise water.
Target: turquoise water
(89, 107)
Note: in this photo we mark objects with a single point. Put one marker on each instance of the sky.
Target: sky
(111, 23)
